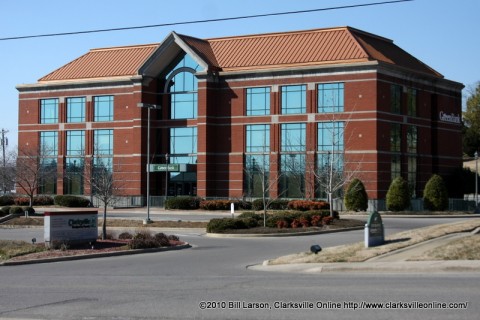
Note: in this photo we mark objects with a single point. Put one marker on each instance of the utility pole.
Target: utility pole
(4, 144)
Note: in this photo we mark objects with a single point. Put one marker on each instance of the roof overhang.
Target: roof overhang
(79, 84)
(168, 50)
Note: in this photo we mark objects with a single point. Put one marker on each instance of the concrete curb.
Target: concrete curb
(96, 255)
(375, 267)
(260, 235)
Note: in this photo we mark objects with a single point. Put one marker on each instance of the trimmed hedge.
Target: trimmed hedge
(274, 205)
(287, 219)
(306, 205)
(16, 210)
(71, 201)
(220, 225)
(183, 203)
(224, 204)
(6, 200)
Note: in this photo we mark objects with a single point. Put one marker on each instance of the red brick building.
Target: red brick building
(301, 109)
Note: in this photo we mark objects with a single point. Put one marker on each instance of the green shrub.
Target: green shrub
(16, 210)
(273, 205)
(257, 204)
(71, 201)
(435, 195)
(356, 198)
(5, 210)
(221, 225)
(245, 215)
(398, 195)
(183, 203)
(6, 200)
(279, 204)
(29, 209)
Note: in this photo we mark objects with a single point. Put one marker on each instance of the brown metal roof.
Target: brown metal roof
(287, 49)
(252, 52)
(102, 63)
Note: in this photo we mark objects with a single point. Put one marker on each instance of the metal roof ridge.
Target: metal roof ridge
(265, 35)
(125, 47)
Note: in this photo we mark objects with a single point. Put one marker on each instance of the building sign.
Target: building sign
(70, 227)
(171, 167)
(452, 118)
(374, 231)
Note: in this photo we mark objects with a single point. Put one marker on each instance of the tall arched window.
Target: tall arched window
(182, 85)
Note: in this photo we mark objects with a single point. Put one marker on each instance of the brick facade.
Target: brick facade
(222, 119)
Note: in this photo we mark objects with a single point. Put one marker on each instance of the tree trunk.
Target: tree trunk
(104, 228)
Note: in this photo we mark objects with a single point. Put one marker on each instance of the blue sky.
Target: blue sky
(441, 33)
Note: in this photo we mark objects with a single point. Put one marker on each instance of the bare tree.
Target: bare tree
(259, 180)
(7, 171)
(99, 175)
(333, 169)
(33, 168)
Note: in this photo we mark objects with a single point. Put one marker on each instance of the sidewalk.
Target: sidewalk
(392, 262)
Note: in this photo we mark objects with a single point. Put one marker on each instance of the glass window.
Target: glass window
(76, 109)
(412, 102)
(49, 111)
(294, 99)
(183, 141)
(48, 143)
(330, 97)
(258, 138)
(293, 137)
(257, 174)
(395, 137)
(47, 176)
(76, 143)
(103, 108)
(103, 142)
(183, 89)
(412, 139)
(396, 98)
(330, 136)
(292, 177)
(396, 168)
(258, 101)
(412, 175)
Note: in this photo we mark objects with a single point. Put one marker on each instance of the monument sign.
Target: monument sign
(374, 231)
(70, 227)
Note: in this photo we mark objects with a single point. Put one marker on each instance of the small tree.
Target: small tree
(356, 198)
(33, 168)
(105, 188)
(435, 195)
(398, 195)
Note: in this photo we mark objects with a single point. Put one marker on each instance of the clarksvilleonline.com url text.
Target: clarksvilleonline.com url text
(330, 305)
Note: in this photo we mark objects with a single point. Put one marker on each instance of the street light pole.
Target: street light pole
(166, 181)
(148, 106)
(476, 179)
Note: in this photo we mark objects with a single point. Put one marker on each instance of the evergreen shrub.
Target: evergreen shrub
(398, 195)
(435, 195)
(356, 198)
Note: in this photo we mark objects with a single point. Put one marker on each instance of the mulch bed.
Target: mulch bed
(100, 246)
(335, 225)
